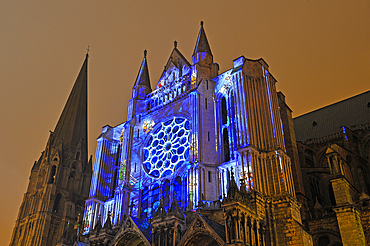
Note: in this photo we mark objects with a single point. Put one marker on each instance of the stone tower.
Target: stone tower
(60, 179)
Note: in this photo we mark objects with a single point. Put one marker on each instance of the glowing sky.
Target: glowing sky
(319, 51)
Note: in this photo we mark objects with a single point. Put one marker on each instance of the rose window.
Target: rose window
(168, 147)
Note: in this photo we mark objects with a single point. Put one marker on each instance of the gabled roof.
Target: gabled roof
(143, 75)
(144, 227)
(219, 229)
(330, 119)
(176, 54)
(72, 124)
(202, 44)
(132, 229)
(203, 225)
(176, 61)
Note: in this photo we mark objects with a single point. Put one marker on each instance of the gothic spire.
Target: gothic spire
(143, 75)
(108, 223)
(72, 124)
(65, 239)
(202, 42)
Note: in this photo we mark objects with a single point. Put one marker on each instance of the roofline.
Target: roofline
(332, 104)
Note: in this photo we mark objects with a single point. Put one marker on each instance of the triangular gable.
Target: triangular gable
(206, 226)
(219, 229)
(334, 148)
(144, 227)
(175, 62)
(135, 226)
(175, 57)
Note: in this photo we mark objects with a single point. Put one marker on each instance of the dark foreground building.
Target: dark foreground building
(204, 158)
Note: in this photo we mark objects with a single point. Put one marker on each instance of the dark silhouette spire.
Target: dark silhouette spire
(66, 239)
(72, 125)
(143, 75)
(233, 191)
(98, 226)
(202, 42)
(108, 223)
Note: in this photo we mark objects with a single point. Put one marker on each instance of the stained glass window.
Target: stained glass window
(168, 147)
(144, 203)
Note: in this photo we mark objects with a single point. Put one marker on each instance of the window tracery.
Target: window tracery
(168, 148)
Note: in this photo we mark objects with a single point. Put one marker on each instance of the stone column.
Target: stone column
(348, 216)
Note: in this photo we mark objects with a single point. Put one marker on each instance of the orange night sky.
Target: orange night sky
(319, 51)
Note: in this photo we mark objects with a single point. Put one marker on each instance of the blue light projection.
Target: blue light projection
(168, 147)
(345, 133)
(265, 74)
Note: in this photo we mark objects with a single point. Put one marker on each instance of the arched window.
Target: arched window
(224, 111)
(315, 187)
(226, 145)
(177, 188)
(144, 203)
(166, 193)
(324, 240)
(331, 195)
(56, 206)
(52, 174)
(155, 197)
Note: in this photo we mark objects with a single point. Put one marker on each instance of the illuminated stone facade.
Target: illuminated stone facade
(207, 159)
(201, 160)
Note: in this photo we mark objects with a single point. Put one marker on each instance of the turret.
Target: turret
(202, 52)
(203, 58)
(142, 84)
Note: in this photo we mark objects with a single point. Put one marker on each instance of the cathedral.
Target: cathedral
(204, 158)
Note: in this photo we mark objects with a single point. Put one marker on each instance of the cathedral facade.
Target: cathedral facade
(204, 158)
(201, 147)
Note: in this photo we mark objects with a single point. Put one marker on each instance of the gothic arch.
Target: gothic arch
(58, 204)
(130, 237)
(201, 239)
(366, 147)
(76, 166)
(309, 156)
(52, 174)
(321, 158)
(129, 234)
(199, 233)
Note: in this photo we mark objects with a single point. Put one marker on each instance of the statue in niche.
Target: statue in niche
(170, 235)
(261, 233)
(163, 236)
(242, 229)
(233, 232)
(128, 224)
(229, 227)
(156, 237)
(198, 225)
(178, 234)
